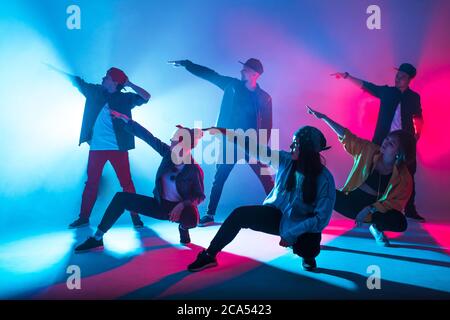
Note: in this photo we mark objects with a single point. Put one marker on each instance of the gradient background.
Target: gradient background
(300, 43)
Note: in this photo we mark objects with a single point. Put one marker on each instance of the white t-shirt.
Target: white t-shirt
(397, 121)
(103, 135)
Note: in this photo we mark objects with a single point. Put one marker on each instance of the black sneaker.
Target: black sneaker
(79, 223)
(137, 222)
(184, 235)
(309, 264)
(206, 221)
(202, 262)
(90, 244)
(412, 214)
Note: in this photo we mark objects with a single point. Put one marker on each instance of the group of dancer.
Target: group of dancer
(379, 190)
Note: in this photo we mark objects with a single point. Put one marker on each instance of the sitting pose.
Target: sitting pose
(297, 209)
(379, 184)
(178, 188)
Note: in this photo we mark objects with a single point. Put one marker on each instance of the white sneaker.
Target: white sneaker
(379, 236)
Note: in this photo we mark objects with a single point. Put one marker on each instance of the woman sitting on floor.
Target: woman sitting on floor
(298, 208)
(379, 184)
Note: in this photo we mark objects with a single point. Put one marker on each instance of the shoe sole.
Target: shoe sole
(309, 269)
(206, 266)
(80, 226)
(96, 249)
(207, 224)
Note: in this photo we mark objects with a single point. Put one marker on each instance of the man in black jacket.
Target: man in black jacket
(106, 137)
(400, 109)
(178, 185)
(244, 106)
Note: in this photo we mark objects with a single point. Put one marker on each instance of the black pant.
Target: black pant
(223, 170)
(265, 219)
(352, 203)
(147, 206)
(410, 205)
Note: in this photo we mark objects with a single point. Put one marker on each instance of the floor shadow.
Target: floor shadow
(159, 271)
(98, 262)
(388, 256)
(417, 247)
(268, 282)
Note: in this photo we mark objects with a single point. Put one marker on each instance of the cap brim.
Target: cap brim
(249, 67)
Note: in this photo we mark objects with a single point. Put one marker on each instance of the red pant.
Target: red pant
(97, 159)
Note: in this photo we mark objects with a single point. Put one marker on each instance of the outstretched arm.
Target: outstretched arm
(139, 131)
(79, 83)
(340, 130)
(352, 144)
(204, 73)
(84, 87)
(347, 76)
(369, 87)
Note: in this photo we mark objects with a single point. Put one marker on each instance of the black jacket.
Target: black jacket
(189, 181)
(241, 108)
(390, 97)
(96, 98)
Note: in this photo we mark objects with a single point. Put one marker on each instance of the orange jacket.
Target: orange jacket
(365, 156)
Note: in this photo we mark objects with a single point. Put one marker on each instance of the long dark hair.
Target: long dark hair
(406, 145)
(310, 163)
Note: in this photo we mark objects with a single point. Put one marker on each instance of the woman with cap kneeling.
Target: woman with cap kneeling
(379, 184)
(297, 209)
(178, 189)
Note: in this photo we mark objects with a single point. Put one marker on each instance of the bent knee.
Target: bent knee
(189, 217)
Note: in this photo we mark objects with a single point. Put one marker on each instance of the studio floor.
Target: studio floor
(151, 264)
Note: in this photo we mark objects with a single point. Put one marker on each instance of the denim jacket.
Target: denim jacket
(96, 98)
(299, 217)
(237, 101)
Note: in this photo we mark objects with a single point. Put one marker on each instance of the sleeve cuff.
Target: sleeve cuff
(380, 207)
(347, 133)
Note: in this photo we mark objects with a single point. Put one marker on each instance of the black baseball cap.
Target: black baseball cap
(254, 64)
(408, 69)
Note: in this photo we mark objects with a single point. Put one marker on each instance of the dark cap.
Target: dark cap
(312, 136)
(254, 64)
(408, 69)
